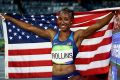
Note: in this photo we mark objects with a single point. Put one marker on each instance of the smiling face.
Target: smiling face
(64, 20)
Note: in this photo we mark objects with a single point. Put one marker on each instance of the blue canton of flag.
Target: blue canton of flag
(18, 35)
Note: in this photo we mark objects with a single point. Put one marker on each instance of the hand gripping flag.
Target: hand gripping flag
(28, 55)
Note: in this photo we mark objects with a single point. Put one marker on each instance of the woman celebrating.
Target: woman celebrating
(65, 43)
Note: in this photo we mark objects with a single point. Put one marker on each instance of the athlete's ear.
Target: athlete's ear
(72, 21)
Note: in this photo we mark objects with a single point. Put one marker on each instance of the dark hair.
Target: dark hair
(67, 11)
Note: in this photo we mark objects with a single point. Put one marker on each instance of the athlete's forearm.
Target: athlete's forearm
(20, 23)
(105, 20)
(39, 31)
(99, 24)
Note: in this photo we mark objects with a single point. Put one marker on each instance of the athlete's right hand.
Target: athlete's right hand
(2, 16)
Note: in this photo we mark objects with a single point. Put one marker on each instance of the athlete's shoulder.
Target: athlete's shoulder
(78, 33)
(52, 33)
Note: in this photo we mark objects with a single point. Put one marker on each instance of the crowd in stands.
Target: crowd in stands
(51, 6)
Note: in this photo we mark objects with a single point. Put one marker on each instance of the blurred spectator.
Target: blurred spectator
(20, 7)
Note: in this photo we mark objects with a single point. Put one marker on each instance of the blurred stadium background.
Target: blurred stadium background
(51, 6)
(46, 7)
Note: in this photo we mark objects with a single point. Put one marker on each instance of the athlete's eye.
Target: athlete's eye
(66, 19)
(60, 18)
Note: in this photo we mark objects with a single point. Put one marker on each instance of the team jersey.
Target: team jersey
(64, 52)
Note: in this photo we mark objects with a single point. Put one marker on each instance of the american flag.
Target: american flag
(28, 55)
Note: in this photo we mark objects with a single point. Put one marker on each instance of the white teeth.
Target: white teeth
(62, 26)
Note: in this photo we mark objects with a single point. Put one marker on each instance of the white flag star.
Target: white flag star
(10, 30)
(13, 26)
(19, 37)
(55, 27)
(10, 38)
(43, 19)
(18, 29)
(42, 15)
(26, 21)
(23, 33)
(36, 36)
(46, 27)
(32, 16)
(15, 34)
(41, 24)
(53, 19)
(28, 36)
(9, 23)
(14, 13)
(33, 19)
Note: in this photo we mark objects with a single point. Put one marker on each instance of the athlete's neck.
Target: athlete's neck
(64, 35)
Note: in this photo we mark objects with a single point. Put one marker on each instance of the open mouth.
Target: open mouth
(63, 26)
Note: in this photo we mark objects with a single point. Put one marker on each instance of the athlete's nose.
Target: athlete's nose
(62, 22)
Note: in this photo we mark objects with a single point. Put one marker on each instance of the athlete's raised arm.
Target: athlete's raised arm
(48, 33)
(80, 35)
(93, 28)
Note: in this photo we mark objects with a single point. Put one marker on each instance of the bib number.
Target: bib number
(62, 54)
